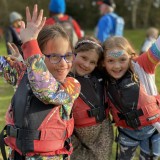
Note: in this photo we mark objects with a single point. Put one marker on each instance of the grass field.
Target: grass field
(6, 91)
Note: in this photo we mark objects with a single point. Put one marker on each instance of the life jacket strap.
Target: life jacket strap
(22, 133)
(132, 118)
(67, 144)
(96, 112)
(2, 144)
(93, 112)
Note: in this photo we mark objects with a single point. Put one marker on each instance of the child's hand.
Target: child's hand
(15, 52)
(33, 25)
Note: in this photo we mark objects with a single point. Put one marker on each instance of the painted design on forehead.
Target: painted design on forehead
(116, 53)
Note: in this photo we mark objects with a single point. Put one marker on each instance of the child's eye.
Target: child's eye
(123, 60)
(93, 63)
(84, 58)
(110, 61)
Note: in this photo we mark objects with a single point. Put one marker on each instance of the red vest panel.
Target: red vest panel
(54, 132)
(80, 114)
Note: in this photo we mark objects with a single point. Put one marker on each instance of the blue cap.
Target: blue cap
(57, 6)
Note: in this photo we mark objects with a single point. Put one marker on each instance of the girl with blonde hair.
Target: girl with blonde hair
(133, 96)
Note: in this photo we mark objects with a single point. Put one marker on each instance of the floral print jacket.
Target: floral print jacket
(43, 84)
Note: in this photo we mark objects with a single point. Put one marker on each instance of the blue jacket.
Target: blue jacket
(109, 25)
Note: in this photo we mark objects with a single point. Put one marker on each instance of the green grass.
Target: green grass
(136, 37)
(6, 91)
(2, 47)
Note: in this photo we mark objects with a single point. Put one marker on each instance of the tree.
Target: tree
(137, 13)
(3, 11)
(142, 8)
(133, 6)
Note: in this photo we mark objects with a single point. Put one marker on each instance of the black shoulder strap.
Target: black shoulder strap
(88, 91)
(95, 100)
(89, 87)
(2, 144)
(16, 101)
(92, 93)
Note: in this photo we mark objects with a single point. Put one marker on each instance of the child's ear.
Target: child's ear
(133, 55)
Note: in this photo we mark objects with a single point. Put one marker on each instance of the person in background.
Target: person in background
(57, 9)
(110, 24)
(12, 34)
(151, 36)
(93, 133)
(133, 97)
(42, 123)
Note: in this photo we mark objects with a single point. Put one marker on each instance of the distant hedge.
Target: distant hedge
(85, 12)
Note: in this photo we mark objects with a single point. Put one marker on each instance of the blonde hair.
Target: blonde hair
(152, 32)
(116, 42)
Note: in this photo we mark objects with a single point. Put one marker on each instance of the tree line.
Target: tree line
(136, 13)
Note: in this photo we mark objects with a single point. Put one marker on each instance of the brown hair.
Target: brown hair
(52, 32)
(88, 43)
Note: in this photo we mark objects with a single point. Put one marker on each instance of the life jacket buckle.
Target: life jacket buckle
(98, 113)
(93, 112)
(132, 119)
(11, 131)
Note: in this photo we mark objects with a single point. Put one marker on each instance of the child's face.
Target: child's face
(59, 46)
(116, 63)
(85, 62)
(17, 23)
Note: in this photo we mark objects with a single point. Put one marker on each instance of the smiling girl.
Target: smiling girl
(93, 134)
(133, 96)
(39, 122)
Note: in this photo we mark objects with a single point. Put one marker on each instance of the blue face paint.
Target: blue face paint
(116, 53)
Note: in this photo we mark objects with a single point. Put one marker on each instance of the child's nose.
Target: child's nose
(117, 65)
(86, 64)
(63, 61)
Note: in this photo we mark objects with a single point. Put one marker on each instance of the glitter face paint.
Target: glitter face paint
(116, 53)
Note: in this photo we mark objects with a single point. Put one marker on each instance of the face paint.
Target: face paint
(116, 53)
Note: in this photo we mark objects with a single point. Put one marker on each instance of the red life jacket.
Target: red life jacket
(34, 127)
(131, 106)
(90, 108)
